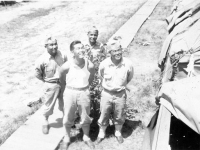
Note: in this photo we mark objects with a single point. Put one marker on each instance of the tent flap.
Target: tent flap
(182, 99)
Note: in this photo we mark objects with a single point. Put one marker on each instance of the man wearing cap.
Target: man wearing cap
(95, 50)
(47, 70)
(116, 72)
(76, 75)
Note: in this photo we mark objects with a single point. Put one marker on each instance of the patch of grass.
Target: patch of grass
(147, 85)
(37, 13)
(14, 123)
(142, 100)
(7, 3)
(11, 127)
(6, 116)
(10, 90)
(145, 50)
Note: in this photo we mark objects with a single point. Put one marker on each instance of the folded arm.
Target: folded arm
(91, 69)
(39, 70)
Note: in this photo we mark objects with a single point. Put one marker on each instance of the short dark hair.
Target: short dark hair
(74, 43)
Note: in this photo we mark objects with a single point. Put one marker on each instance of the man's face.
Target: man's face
(79, 50)
(116, 54)
(52, 47)
(93, 35)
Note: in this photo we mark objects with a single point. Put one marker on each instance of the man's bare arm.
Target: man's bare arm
(101, 71)
(62, 75)
(129, 78)
(130, 74)
(91, 69)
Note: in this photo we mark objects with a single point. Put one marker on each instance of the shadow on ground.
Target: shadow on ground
(57, 124)
(128, 127)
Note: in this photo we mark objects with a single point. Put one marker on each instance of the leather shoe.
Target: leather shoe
(64, 146)
(98, 140)
(45, 129)
(120, 139)
(90, 144)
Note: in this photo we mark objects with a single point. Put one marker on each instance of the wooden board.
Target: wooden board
(30, 137)
(131, 27)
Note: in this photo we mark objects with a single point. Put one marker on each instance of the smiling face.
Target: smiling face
(79, 51)
(116, 54)
(52, 47)
(92, 36)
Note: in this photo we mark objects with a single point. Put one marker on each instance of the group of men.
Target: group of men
(68, 79)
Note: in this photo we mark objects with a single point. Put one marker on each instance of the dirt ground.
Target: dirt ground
(23, 29)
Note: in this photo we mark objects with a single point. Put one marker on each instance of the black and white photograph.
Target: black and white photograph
(100, 75)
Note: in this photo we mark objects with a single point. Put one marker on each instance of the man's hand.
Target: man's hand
(157, 100)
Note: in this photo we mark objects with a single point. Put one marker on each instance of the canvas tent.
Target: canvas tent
(179, 62)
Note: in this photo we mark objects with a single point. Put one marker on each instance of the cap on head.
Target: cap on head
(48, 39)
(114, 44)
(93, 29)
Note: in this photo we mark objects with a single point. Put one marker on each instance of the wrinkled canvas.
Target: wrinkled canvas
(182, 99)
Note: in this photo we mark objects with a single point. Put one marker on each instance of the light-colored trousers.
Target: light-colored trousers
(112, 102)
(73, 100)
(51, 94)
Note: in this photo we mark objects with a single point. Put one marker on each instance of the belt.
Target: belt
(113, 92)
(78, 89)
(56, 81)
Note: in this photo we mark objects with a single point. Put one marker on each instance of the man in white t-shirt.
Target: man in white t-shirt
(75, 77)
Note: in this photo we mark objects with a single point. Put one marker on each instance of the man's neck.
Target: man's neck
(53, 56)
(79, 61)
(116, 62)
(92, 43)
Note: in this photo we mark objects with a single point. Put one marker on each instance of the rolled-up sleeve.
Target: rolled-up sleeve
(39, 70)
(103, 50)
(101, 69)
(130, 73)
(65, 57)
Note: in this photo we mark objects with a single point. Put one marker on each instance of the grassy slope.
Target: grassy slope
(22, 43)
(145, 50)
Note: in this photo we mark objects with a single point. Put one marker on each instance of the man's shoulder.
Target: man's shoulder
(106, 61)
(99, 43)
(62, 53)
(127, 61)
(67, 65)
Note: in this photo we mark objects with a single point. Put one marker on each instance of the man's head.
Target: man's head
(93, 34)
(52, 46)
(77, 48)
(115, 49)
